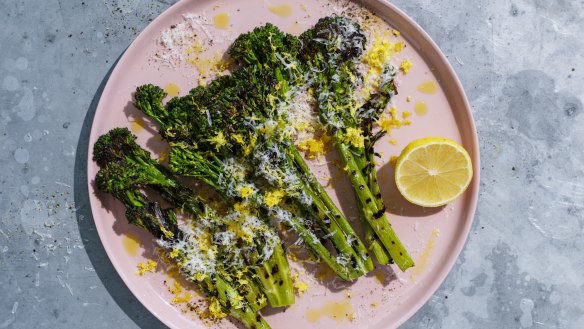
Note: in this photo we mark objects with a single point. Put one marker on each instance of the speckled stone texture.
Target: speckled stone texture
(520, 63)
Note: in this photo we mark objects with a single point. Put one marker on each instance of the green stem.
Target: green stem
(355, 265)
(381, 254)
(374, 214)
(247, 315)
(274, 278)
(253, 292)
(366, 163)
(338, 220)
(312, 241)
(209, 170)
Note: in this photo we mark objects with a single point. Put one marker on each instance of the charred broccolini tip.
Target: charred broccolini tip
(115, 145)
(117, 152)
(148, 97)
(333, 38)
(264, 45)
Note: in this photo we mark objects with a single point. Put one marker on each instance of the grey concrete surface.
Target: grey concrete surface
(520, 61)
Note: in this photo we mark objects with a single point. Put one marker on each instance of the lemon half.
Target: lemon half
(433, 171)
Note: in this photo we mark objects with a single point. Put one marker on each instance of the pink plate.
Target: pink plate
(387, 297)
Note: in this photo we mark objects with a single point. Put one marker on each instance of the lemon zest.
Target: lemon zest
(215, 310)
(168, 234)
(148, 266)
(173, 253)
(182, 299)
(354, 136)
(219, 140)
(238, 138)
(313, 147)
(240, 207)
(246, 191)
(262, 300)
(176, 288)
(399, 46)
(200, 276)
(300, 286)
(406, 66)
(273, 198)
(251, 145)
(380, 52)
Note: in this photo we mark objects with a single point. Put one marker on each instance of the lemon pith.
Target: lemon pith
(433, 171)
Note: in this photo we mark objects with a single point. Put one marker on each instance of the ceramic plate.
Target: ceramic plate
(386, 298)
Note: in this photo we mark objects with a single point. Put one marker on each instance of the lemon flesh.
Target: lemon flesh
(433, 171)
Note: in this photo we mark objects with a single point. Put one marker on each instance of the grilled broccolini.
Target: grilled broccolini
(331, 50)
(244, 115)
(192, 251)
(242, 238)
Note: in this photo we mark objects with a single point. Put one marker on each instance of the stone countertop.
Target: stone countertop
(521, 63)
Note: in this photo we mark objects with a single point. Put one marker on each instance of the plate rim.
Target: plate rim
(455, 83)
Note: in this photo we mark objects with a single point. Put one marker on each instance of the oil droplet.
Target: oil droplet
(284, 10)
(424, 258)
(428, 87)
(174, 273)
(137, 125)
(177, 285)
(338, 311)
(221, 21)
(131, 244)
(215, 63)
(420, 108)
(172, 89)
(163, 155)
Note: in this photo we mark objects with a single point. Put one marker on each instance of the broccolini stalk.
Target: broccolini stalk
(273, 51)
(192, 251)
(273, 165)
(366, 116)
(258, 245)
(331, 50)
(230, 177)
